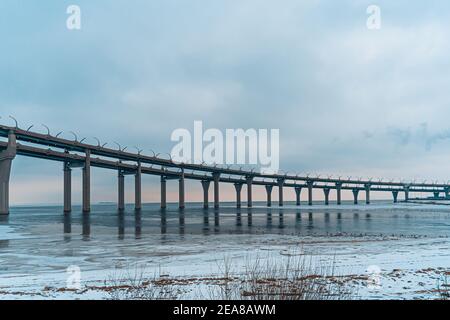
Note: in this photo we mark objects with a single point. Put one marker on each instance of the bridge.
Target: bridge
(78, 154)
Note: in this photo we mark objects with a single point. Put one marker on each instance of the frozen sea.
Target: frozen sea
(406, 246)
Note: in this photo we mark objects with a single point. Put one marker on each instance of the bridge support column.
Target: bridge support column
(355, 196)
(87, 183)
(249, 191)
(280, 192)
(138, 188)
(216, 177)
(326, 192)
(67, 187)
(269, 194)
(163, 192)
(395, 195)
(367, 188)
(121, 191)
(238, 187)
(406, 189)
(205, 185)
(6, 158)
(338, 192)
(310, 191)
(181, 191)
(436, 194)
(298, 190)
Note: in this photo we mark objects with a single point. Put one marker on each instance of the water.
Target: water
(37, 244)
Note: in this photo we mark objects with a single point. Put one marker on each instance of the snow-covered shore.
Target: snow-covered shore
(405, 248)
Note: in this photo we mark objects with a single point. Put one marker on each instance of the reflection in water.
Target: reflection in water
(326, 219)
(229, 221)
(121, 225)
(181, 228)
(368, 222)
(356, 220)
(164, 221)
(4, 220)
(339, 222)
(67, 227)
(280, 220)
(86, 226)
(205, 221)
(310, 221)
(269, 219)
(137, 224)
(216, 221)
(4, 244)
(298, 220)
(238, 218)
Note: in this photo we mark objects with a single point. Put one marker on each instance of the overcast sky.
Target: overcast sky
(347, 100)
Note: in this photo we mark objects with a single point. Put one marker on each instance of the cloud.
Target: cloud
(347, 100)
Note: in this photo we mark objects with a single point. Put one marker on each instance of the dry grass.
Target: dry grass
(443, 288)
(292, 277)
(295, 277)
(133, 284)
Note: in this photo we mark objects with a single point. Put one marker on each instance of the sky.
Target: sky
(348, 100)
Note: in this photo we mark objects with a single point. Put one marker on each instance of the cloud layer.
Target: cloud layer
(347, 100)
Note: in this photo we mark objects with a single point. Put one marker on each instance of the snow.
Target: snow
(408, 243)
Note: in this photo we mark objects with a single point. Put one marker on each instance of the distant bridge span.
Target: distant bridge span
(77, 154)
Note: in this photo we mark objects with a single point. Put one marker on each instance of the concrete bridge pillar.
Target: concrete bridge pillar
(121, 190)
(269, 194)
(238, 187)
(216, 177)
(205, 185)
(367, 188)
(138, 188)
(87, 183)
(6, 158)
(326, 192)
(298, 190)
(310, 190)
(280, 192)
(338, 192)
(436, 194)
(406, 189)
(249, 191)
(67, 187)
(163, 192)
(181, 190)
(355, 195)
(395, 195)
